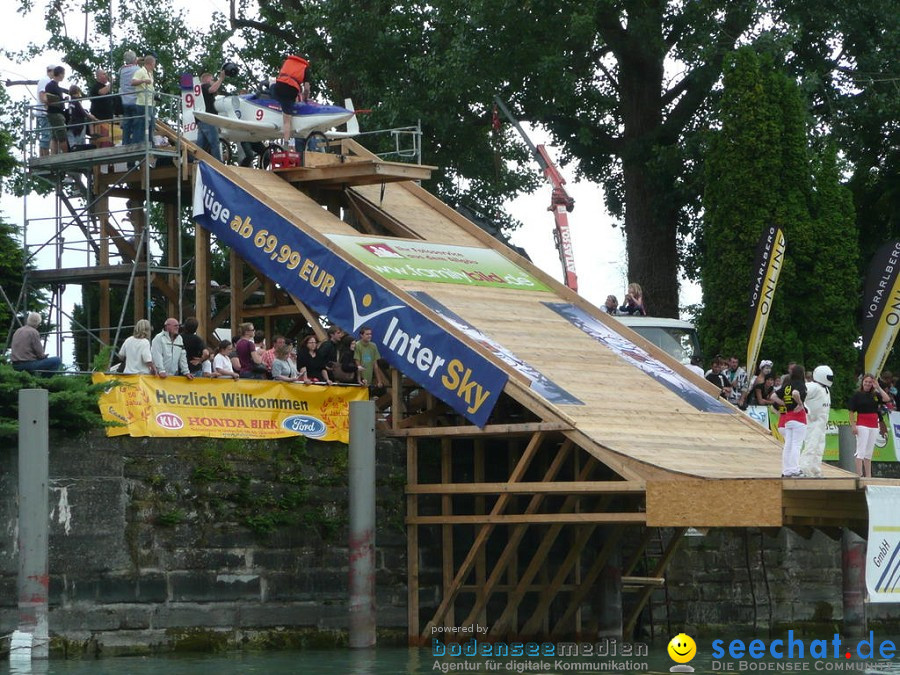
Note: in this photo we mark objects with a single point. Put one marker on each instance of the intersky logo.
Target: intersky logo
(360, 319)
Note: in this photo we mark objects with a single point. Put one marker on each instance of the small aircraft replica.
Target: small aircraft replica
(257, 118)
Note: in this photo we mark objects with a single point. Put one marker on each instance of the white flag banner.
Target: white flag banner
(883, 551)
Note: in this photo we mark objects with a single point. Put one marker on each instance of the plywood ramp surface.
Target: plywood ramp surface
(423, 219)
(625, 411)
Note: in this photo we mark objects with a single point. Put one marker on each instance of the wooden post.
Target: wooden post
(237, 293)
(481, 560)
(140, 289)
(201, 283)
(173, 232)
(447, 530)
(412, 543)
(269, 288)
(102, 210)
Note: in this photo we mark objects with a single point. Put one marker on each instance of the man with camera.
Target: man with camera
(208, 134)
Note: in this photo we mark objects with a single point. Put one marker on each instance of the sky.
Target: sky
(599, 247)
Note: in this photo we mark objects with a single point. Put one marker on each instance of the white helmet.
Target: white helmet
(824, 376)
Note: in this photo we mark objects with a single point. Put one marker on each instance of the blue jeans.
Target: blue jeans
(130, 123)
(50, 363)
(145, 116)
(42, 125)
(208, 139)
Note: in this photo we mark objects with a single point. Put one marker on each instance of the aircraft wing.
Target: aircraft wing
(248, 126)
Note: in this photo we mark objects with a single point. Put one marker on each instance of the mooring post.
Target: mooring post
(853, 553)
(34, 519)
(362, 523)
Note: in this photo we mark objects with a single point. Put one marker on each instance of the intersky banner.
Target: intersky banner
(766, 268)
(881, 307)
(883, 550)
(407, 339)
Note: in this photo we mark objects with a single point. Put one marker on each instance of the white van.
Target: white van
(674, 336)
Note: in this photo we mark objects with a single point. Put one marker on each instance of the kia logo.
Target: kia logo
(169, 421)
(312, 427)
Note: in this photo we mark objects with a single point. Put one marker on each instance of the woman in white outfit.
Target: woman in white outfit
(135, 351)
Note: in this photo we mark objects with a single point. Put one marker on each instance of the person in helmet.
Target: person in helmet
(818, 405)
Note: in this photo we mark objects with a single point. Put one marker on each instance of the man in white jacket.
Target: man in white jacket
(818, 405)
(167, 349)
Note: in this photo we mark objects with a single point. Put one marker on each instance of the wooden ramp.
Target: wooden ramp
(625, 417)
(597, 432)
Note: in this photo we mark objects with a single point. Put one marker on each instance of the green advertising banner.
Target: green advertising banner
(885, 448)
(415, 260)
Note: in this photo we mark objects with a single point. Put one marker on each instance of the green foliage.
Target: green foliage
(72, 401)
(760, 172)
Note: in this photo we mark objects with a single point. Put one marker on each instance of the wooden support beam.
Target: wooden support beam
(412, 544)
(312, 318)
(397, 408)
(488, 430)
(557, 487)
(578, 596)
(101, 208)
(658, 571)
(510, 550)
(236, 308)
(549, 592)
(478, 458)
(254, 311)
(173, 233)
(447, 528)
(202, 286)
(655, 582)
(481, 538)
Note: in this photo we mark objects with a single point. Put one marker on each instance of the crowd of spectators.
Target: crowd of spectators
(178, 350)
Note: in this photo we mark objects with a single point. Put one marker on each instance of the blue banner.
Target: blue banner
(308, 270)
(639, 358)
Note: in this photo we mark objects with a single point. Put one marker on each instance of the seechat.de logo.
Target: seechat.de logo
(169, 420)
(311, 427)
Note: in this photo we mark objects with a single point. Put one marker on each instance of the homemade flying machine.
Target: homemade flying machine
(257, 118)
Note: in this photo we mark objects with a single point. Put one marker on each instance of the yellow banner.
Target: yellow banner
(884, 333)
(764, 292)
(218, 408)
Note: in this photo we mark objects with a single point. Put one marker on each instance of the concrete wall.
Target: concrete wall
(159, 543)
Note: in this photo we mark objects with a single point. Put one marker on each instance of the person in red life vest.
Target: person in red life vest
(290, 85)
(792, 423)
(863, 406)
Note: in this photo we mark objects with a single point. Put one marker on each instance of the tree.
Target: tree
(760, 172)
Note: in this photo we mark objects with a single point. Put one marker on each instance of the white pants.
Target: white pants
(794, 432)
(865, 441)
(813, 446)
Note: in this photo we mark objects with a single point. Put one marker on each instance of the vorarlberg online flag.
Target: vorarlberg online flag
(881, 307)
(766, 268)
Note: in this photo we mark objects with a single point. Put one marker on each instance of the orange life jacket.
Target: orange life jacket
(293, 72)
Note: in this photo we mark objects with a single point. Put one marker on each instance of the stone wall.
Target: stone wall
(165, 543)
(206, 544)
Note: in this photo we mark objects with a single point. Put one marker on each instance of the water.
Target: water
(401, 661)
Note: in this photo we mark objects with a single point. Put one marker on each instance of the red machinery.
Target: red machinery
(561, 203)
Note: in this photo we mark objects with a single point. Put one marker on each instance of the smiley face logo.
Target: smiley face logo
(682, 649)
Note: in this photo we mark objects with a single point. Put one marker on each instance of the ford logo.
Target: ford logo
(169, 420)
(312, 427)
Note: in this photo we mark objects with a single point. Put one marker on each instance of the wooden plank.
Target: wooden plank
(254, 311)
(556, 487)
(523, 429)
(478, 460)
(714, 503)
(658, 571)
(655, 582)
(202, 279)
(236, 266)
(358, 173)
